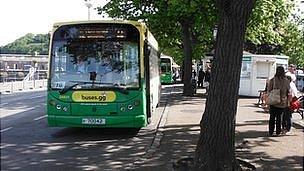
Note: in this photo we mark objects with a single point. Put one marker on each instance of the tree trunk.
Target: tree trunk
(215, 148)
(187, 67)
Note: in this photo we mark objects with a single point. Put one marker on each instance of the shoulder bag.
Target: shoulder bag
(274, 96)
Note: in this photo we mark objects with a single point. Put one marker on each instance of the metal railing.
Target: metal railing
(20, 75)
(15, 86)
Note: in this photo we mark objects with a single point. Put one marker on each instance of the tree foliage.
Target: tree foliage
(164, 19)
(293, 45)
(269, 28)
(28, 44)
(267, 21)
(272, 29)
(183, 28)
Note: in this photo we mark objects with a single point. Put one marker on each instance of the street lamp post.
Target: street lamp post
(89, 5)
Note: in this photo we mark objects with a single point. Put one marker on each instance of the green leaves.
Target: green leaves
(293, 44)
(164, 18)
(269, 25)
(267, 20)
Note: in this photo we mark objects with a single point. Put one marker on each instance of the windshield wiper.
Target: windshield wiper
(67, 88)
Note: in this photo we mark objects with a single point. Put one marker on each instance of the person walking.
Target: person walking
(263, 97)
(201, 76)
(175, 74)
(207, 79)
(292, 73)
(286, 122)
(279, 81)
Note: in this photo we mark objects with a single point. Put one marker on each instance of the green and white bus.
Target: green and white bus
(102, 74)
(166, 69)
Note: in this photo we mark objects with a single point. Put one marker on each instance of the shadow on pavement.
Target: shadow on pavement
(255, 122)
(97, 133)
(179, 141)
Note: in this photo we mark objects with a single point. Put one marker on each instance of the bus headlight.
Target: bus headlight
(58, 107)
(122, 108)
(130, 107)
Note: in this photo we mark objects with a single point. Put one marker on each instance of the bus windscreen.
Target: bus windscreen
(165, 65)
(105, 54)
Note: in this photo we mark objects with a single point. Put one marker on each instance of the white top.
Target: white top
(293, 89)
(293, 76)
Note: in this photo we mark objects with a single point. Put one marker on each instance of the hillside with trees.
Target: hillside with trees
(28, 44)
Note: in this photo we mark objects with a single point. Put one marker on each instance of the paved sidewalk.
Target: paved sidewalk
(267, 153)
(179, 133)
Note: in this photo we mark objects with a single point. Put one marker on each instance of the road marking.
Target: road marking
(10, 112)
(6, 129)
(3, 104)
(34, 97)
(41, 117)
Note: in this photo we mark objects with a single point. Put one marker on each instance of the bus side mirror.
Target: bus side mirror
(147, 49)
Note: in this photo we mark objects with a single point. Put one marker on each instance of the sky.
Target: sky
(19, 17)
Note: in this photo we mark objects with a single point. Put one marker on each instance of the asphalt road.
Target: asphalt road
(27, 143)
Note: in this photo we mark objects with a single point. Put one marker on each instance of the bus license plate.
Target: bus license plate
(93, 121)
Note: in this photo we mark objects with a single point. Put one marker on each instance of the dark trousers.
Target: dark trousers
(286, 122)
(275, 119)
(200, 82)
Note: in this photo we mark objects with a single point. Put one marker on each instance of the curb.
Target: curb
(159, 130)
(158, 135)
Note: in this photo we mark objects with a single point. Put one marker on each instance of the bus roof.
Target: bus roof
(165, 56)
(135, 23)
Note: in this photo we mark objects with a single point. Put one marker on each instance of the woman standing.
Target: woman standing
(286, 123)
(279, 81)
